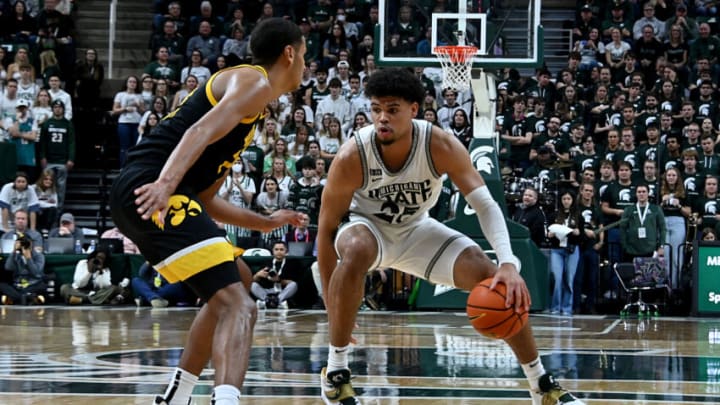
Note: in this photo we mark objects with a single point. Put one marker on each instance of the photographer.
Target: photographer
(27, 266)
(271, 289)
(91, 282)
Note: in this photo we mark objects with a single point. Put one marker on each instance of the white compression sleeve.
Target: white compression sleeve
(492, 223)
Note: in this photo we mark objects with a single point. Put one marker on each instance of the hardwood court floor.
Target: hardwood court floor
(64, 355)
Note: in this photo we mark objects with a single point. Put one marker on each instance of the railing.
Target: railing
(111, 37)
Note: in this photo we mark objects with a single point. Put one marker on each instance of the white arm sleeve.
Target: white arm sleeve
(492, 223)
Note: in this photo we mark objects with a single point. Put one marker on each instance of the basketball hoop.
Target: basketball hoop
(456, 63)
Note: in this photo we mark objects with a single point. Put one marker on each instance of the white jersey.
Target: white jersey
(404, 196)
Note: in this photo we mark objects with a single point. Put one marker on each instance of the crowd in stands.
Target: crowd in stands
(635, 108)
(630, 122)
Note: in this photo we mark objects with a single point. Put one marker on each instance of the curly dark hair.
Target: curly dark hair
(395, 82)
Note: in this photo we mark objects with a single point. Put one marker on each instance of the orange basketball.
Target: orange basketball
(488, 314)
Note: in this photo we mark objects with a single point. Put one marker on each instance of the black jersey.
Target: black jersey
(154, 149)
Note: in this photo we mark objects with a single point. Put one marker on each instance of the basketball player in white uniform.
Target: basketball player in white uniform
(388, 178)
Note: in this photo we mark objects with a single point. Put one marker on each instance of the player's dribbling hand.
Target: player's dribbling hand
(287, 217)
(151, 198)
(517, 292)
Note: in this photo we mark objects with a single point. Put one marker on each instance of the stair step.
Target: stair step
(104, 6)
(120, 43)
(121, 25)
(120, 54)
(121, 14)
(125, 35)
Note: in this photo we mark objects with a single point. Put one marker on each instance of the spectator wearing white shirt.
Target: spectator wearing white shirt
(649, 18)
(15, 196)
(237, 44)
(195, 68)
(334, 104)
(129, 106)
(446, 112)
(56, 93)
(8, 100)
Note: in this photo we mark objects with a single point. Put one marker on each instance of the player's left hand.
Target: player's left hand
(283, 217)
(151, 198)
(517, 291)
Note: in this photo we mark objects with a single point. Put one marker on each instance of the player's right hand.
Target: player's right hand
(152, 198)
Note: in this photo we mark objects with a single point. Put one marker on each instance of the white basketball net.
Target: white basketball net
(456, 63)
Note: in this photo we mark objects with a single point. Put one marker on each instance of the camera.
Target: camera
(24, 243)
(272, 273)
(96, 264)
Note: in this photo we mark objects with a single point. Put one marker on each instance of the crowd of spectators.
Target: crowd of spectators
(635, 105)
(630, 122)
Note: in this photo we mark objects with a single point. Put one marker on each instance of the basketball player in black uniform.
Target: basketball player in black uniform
(165, 200)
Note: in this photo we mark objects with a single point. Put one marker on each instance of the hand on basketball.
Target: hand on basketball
(151, 198)
(517, 292)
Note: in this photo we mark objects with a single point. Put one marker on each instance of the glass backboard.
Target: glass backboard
(507, 35)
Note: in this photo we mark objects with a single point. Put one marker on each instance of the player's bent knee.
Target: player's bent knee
(471, 267)
(231, 300)
(358, 250)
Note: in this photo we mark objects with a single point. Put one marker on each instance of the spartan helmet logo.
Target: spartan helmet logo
(690, 184)
(544, 174)
(616, 119)
(179, 207)
(481, 160)
(650, 154)
(704, 110)
(587, 216)
(586, 163)
(650, 119)
(666, 106)
(711, 207)
(630, 159)
(624, 194)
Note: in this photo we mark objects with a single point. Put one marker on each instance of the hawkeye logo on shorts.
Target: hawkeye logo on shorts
(179, 208)
(400, 201)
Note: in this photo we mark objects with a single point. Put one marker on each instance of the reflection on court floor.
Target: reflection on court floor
(122, 356)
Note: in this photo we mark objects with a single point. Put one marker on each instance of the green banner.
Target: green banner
(706, 285)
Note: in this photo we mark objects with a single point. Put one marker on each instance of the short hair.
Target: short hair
(674, 136)
(270, 37)
(306, 162)
(395, 82)
(690, 152)
(280, 241)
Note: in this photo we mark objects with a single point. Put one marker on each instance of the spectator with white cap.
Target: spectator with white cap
(23, 132)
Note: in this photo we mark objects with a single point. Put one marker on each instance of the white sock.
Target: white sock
(180, 388)
(533, 371)
(225, 395)
(338, 358)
